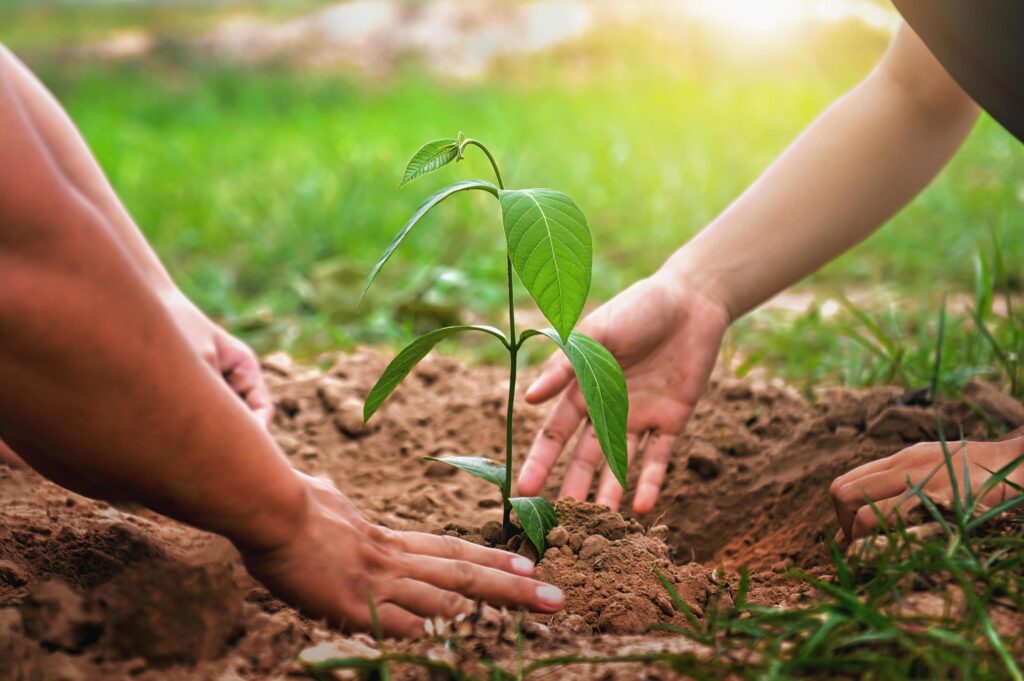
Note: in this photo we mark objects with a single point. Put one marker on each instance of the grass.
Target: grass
(271, 192)
(862, 621)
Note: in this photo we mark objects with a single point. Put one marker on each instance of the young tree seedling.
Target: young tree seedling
(549, 247)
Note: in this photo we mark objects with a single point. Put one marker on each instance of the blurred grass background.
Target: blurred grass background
(269, 188)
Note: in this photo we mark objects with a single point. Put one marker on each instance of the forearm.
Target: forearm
(79, 168)
(852, 169)
(96, 377)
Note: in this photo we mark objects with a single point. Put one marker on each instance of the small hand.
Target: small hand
(339, 560)
(666, 335)
(228, 356)
(885, 483)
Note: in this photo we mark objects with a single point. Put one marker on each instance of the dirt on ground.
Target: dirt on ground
(94, 591)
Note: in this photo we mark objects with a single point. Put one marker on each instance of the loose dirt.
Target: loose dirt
(94, 591)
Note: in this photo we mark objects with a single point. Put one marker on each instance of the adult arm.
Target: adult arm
(98, 379)
(863, 159)
(82, 174)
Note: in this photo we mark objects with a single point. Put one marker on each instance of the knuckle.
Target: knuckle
(835, 488)
(581, 466)
(554, 435)
(865, 516)
(452, 603)
(466, 581)
(452, 548)
(847, 494)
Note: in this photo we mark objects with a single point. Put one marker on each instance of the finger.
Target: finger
(443, 546)
(395, 621)
(876, 466)
(427, 600)
(556, 376)
(609, 491)
(657, 453)
(579, 473)
(852, 496)
(241, 369)
(560, 425)
(494, 586)
(867, 519)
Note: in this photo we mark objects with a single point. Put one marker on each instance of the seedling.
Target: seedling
(549, 247)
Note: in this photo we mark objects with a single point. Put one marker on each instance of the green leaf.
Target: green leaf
(537, 518)
(481, 467)
(429, 158)
(604, 392)
(550, 247)
(409, 357)
(432, 201)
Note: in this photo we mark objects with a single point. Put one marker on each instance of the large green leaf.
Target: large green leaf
(481, 467)
(604, 392)
(430, 157)
(550, 247)
(432, 201)
(409, 357)
(537, 518)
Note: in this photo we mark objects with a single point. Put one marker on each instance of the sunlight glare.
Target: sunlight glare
(762, 19)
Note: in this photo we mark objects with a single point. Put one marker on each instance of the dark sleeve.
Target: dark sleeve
(981, 44)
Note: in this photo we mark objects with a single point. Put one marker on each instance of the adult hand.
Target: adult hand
(666, 334)
(338, 561)
(229, 357)
(885, 482)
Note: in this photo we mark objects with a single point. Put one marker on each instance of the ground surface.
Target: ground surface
(89, 591)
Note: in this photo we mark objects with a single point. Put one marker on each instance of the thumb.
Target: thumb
(553, 379)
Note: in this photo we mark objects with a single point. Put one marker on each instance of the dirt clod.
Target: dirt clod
(94, 592)
(558, 537)
(593, 546)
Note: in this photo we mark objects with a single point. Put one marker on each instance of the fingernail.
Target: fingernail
(522, 565)
(550, 596)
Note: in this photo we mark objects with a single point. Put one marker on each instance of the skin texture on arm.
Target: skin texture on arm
(98, 380)
(860, 162)
(863, 159)
(69, 152)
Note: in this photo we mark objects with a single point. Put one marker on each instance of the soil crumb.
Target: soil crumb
(94, 591)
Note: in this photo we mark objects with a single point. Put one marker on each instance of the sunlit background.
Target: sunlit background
(258, 144)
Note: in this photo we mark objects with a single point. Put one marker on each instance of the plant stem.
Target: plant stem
(513, 350)
(494, 164)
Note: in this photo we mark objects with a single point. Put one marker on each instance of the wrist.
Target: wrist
(274, 517)
(683, 270)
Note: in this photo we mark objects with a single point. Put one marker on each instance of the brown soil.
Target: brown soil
(92, 591)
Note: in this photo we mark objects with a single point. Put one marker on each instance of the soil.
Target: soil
(94, 591)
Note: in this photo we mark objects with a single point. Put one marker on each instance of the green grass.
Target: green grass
(270, 192)
(860, 622)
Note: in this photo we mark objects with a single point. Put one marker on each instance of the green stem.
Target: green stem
(494, 164)
(513, 350)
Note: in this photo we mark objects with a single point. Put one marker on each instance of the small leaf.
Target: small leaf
(481, 467)
(432, 201)
(537, 518)
(604, 392)
(429, 158)
(550, 247)
(409, 357)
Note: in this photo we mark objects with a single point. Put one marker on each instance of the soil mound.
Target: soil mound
(94, 591)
